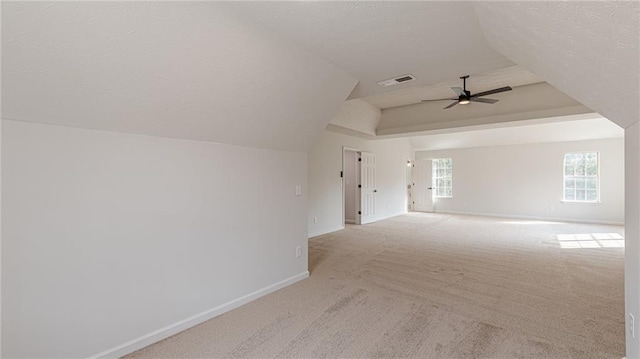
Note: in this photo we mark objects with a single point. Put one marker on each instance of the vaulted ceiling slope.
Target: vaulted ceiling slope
(439, 41)
(194, 70)
(273, 74)
(587, 49)
(375, 40)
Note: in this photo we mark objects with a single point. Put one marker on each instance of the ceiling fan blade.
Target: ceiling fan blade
(452, 104)
(483, 100)
(440, 99)
(490, 92)
(458, 90)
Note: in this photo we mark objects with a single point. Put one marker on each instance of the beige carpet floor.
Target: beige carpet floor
(434, 286)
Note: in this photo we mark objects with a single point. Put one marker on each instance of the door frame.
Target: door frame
(357, 151)
(409, 194)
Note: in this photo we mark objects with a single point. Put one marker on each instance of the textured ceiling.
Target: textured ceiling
(510, 76)
(272, 74)
(523, 103)
(377, 40)
(588, 49)
(191, 70)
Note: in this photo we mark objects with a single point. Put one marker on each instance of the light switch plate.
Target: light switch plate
(298, 190)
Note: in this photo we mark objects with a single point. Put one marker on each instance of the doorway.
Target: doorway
(359, 205)
(350, 184)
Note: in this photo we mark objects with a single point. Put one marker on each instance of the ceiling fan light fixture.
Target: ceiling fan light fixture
(465, 97)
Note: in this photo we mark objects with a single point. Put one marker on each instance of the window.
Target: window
(581, 177)
(442, 170)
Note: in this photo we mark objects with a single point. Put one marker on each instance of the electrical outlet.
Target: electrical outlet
(315, 219)
(298, 251)
(298, 190)
(632, 326)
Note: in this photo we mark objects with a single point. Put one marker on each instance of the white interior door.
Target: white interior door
(421, 191)
(367, 187)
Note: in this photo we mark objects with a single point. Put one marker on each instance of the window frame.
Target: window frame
(585, 177)
(435, 164)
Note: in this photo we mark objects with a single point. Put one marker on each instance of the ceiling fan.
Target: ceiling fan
(464, 96)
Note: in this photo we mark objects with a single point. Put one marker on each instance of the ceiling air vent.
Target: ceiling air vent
(396, 80)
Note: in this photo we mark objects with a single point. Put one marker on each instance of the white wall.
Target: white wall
(632, 231)
(108, 237)
(325, 184)
(526, 181)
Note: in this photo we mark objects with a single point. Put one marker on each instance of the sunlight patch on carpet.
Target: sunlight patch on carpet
(590, 240)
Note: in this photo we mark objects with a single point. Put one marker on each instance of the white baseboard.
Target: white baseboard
(390, 215)
(311, 235)
(534, 218)
(325, 231)
(163, 333)
(350, 221)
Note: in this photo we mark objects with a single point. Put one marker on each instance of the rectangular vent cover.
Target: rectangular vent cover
(396, 80)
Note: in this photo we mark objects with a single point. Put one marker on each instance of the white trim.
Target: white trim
(320, 233)
(312, 235)
(357, 199)
(535, 218)
(580, 202)
(163, 333)
(349, 221)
